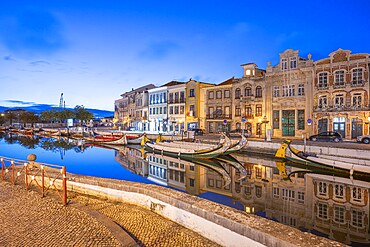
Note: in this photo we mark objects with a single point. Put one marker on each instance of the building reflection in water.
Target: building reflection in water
(325, 204)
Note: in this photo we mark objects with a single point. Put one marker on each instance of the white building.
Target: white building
(158, 113)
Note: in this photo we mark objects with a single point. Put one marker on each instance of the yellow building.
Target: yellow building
(194, 109)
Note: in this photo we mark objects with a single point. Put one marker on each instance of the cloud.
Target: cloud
(159, 50)
(9, 58)
(39, 63)
(31, 32)
(19, 102)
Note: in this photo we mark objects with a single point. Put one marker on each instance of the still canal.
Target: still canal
(329, 205)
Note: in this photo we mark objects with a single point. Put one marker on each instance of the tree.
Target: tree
(10, 116)
(48, 115)
(28, 117)
(82, 114)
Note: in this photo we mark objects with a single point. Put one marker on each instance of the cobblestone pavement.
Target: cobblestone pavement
(26, 219)
(147, 227)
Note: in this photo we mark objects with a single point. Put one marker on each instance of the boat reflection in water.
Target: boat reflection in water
(325, 202)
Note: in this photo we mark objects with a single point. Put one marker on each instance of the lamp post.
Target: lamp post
(265, 121)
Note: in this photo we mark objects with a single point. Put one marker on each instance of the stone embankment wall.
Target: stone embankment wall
(224, 225)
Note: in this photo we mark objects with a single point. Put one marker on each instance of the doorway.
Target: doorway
(356, 128)
(322, 125)
(339, 125)
(288, 123)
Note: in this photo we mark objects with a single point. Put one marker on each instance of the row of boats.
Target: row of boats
(170, 145)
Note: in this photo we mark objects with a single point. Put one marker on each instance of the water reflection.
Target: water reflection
(327, 203)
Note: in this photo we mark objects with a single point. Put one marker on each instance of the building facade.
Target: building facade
(176, 106)
(289, 95)
(195, 105)
(341, 94)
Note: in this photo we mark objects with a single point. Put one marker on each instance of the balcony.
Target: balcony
(331, 108)
(218, 116)
(249, 116)
(175, 101)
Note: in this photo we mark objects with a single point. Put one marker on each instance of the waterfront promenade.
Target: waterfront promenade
(29, 220)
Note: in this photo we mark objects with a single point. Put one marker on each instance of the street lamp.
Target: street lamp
(265, 121)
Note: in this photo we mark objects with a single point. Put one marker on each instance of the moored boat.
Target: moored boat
(315, 161)
(189, 149)
(107, 140)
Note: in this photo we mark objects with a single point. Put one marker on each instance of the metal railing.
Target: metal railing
(28, 173)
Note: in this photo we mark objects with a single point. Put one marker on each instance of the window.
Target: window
(258, 172)
(210, 112)
(258, 92)
(323, 189)
(258, 191)
(248, 112)
(357, 76)
(248, 190)
(300, 197)
(276, 192)
(218, 111)
(288, 90)
(177, 109)
(211, 95)
(192, 110)
(301, 119)
(191, 182)
(238, 111)
(276, 119)
(227, 112)
(227, 93)
(165, 110)
(284, 64)
(191, 93)
(339, 214)
(339, 78)
(182, 97)
(171, 109)
(356, 100)
(322, 211)
(323, 80)
(151, 99)
(156, 110)
(219, 94)
(170, 97)
(323, 102)
(357, 218)
(288, 194)
(276, 91)
(293, 62)
(339, 101)
(237, 93)
(339, 191)
(164, 97)
(357, 194)
(300, 89)
(150, 111)
(182, 109)
(258, 110)
(160, 110)
(248, 91)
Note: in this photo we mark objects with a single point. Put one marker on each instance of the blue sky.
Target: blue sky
(93, 51)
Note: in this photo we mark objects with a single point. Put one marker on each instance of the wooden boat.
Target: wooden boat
(315, 161)
(237, 146)
(107, 140)
(106, 133)
(189, 149)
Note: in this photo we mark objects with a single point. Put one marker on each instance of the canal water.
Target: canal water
(330, 205)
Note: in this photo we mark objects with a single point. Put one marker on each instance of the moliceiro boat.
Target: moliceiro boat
(311, 160)
(112, 140)
(189, 149)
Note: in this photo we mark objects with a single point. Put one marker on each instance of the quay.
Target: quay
(146, 215)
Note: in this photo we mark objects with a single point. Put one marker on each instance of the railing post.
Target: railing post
(42, 180)
(26, 176)
(64, 181)
(13, 167)
(2, 169)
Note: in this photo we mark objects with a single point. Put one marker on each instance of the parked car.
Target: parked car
(364, 139)
(326, 136)
(197, 132)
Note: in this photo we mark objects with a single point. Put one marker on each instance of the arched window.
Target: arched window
(258, 92)
(237, 93)
(248, 91)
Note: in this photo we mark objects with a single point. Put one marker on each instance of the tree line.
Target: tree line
(49, 116)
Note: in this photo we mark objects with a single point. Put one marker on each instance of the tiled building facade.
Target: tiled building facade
(295, 98)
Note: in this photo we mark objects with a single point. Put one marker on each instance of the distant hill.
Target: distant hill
(37, 108)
